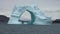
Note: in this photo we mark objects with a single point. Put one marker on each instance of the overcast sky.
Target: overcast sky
(43, 4)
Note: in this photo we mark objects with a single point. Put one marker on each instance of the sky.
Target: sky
(42, 4)
(6, 6)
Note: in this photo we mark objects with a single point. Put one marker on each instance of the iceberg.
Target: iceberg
(37, 16)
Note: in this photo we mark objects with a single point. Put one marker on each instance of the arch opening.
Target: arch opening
(27, 17)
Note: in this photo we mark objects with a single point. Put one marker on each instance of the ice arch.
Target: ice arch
(37, 17)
